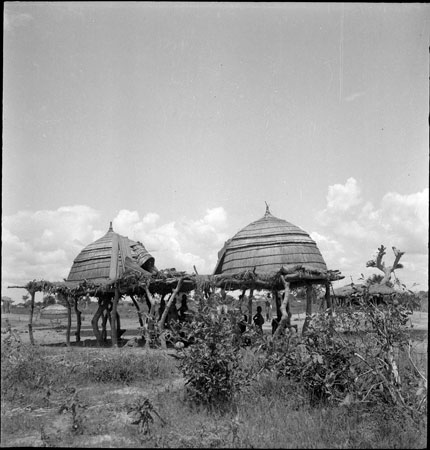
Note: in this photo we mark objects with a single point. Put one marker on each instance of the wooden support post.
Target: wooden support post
(164, 315)
(251, 293)
(242, 301)
(309, 299)
(139, 313)
(119, 330)
(152, 303)
(162, 306)
(107, 305)
(69, 320)
(277, 299)
(30, 318)
(95, 320)
(328, 298)
(283, 306)
(78, 319)
(150, 322)
(113, 325)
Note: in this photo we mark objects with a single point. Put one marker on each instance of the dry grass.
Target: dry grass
(272, 413)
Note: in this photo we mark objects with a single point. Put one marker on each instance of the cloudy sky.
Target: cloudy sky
(178, 121)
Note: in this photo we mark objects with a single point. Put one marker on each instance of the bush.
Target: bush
(355, 356)
(318, 361)
(212, 364)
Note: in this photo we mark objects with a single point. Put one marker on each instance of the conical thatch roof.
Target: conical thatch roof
(382, 289)
(54, 312)
(268, 245)
(109, 257)
(349, 289)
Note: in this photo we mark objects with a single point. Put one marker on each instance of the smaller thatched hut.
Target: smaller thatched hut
(350, 293)
(54, 312)
(109, 257)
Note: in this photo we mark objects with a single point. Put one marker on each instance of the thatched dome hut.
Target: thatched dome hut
(109, 257)
(105, 262)
(266, 246)
(54, 312)
(358, 289)
(275, 255)
(378, 292)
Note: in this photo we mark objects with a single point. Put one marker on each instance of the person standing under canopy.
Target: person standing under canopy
(258, 320)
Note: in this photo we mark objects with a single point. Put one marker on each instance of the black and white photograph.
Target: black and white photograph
(215, 224)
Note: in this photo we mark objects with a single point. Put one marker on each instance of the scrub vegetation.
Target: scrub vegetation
(354, 380)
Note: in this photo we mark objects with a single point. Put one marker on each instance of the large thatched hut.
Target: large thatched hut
(267, 245)
(273, 254)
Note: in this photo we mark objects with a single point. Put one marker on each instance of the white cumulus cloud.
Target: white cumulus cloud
(351, 228)
(43, 244)
(180, 244)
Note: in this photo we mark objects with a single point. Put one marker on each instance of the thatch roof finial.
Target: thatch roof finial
(110, 227)
(267, 209)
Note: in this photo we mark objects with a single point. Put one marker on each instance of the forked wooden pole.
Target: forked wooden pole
(284, 305)
(151, 317)
(78, 319)
(30, 318)
(69, 320)
(113, 325)
(95, 320)
(309, 299)
(165, 312)
(328, 298)
(139, 313)
(251, 294)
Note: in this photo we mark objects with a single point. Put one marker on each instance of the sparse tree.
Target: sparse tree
(379, 264)
(48, 300)
(377, 278)
(6, 303)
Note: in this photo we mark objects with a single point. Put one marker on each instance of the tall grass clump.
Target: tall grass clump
(28, 369)
(125, 366)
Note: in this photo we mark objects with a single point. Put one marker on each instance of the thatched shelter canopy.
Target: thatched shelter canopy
(350, 290)
(162, 282)
(259, 253)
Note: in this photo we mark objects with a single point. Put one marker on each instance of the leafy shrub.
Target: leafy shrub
(212, 364)
(141, 412)
(318, 361)
(354, 356)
